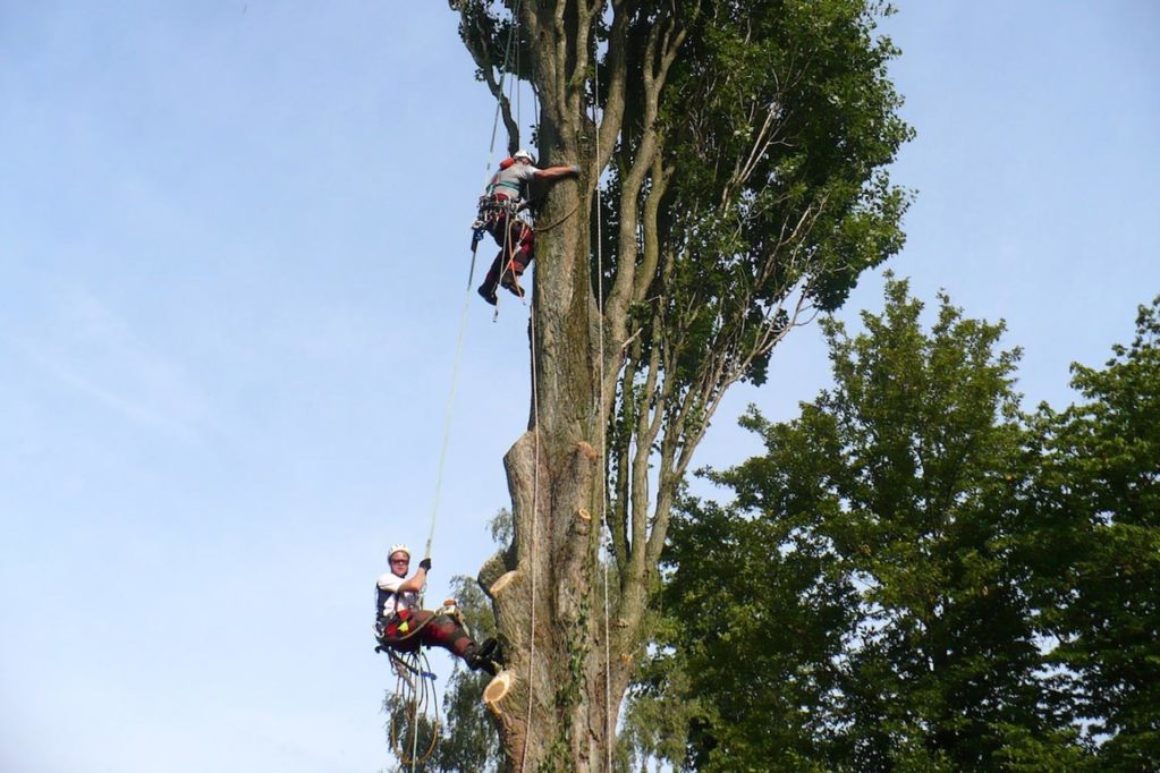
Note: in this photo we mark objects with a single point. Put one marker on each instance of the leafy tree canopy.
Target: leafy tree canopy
(861, 605)
(1099, 508)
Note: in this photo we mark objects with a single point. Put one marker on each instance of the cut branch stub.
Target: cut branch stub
(505, 580)
(498, 689)
(492, 570)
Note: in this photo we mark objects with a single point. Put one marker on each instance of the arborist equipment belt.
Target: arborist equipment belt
(493, 207)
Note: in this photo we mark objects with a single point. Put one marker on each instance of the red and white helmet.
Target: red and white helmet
(399, 548)
(524, 155)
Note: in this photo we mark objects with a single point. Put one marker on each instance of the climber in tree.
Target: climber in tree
(507, 194)
(402, 626)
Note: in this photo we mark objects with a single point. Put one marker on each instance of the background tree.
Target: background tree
(863, 604)
(740, 149)
(1099, 506)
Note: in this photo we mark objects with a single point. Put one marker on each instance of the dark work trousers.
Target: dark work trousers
(434, 631)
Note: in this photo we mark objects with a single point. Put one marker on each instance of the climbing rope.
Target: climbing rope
(503, 72)
(414, 689)
(534, 552)
(535, 513)
(447, 412)
(502, 76)
(413, 701)
(605, 528)
(541, 229)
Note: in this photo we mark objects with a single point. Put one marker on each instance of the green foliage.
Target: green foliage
(410, 733)
(1099, 509)
(470, 740)
(779, 123)
(654, 725)
(863, 603)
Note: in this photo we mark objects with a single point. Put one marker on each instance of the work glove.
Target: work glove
(425, 564)
(575, 170)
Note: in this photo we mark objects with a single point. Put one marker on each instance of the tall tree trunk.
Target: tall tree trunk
(549, 606)
(548, 601)
(546, 590)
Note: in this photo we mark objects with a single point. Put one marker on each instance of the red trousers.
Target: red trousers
(516, 245)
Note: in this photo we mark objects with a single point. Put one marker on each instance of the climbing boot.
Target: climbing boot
(487, 650)
(511, 282)
(487, 292)
(480, 657)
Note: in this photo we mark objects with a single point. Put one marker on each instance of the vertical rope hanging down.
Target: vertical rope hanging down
(447, 411)
(535, 529)
(605, 529)
(534, 552)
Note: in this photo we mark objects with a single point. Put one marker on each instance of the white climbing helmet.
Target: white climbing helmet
(524, 155)
(400, 548)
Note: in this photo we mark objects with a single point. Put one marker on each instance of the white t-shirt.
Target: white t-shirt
(390, 600)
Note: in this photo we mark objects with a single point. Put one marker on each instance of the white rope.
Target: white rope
(448, 408)
(505, 262)
(514, 96)
(447, 412)
(467, 301)
(535, 518)
(414, 734)
(603, 432)
(502, 75)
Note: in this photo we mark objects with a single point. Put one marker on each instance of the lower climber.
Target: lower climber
(402, 626)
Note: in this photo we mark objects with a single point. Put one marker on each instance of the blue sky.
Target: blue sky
(233, 245)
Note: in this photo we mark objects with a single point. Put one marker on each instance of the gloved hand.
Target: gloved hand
(575, 170)
(425, 564)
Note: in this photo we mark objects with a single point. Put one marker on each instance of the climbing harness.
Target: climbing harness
(400, 627)
(498, 211)
(490, 211)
